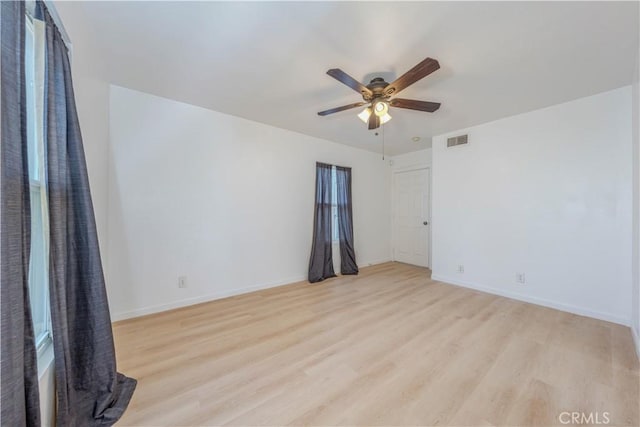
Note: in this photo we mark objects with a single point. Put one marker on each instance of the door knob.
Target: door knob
(425, 223)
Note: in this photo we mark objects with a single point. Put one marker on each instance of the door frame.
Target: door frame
(393, 208)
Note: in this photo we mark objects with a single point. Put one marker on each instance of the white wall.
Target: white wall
(225, 201)
(548, 194)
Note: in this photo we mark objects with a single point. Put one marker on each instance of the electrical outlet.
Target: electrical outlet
(520, 278)
(182, 281)
(461, 268)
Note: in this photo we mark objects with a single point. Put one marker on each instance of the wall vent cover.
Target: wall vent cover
(457, 140)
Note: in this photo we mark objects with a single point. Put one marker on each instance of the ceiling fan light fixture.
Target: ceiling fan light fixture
(381, 108)
(384, 119)
(364, 115)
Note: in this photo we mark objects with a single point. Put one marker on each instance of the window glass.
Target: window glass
(334, 206)
(29, 67)
(39, 256)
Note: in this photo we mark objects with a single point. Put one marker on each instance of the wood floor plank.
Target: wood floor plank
(387, 347)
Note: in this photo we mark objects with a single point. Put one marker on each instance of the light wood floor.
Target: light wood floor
(388, 347)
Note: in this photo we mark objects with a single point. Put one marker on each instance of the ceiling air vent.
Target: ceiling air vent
(457, 140)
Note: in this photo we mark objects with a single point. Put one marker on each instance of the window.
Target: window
(39, 256)
(334, 206)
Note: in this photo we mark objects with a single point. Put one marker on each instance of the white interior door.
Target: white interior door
(411, 217)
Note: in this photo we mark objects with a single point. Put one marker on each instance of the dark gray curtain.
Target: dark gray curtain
(321, 262)
(90, 391)
(345, 221)
(20, 401)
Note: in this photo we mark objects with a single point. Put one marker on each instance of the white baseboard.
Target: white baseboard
(370, 263)
(535, 300)
(143, 311)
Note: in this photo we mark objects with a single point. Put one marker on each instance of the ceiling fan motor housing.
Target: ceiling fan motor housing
(376, 86)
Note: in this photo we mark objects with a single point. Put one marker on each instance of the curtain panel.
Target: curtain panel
(19, 369)
(321, 262)
(90, 391)
(345, 221)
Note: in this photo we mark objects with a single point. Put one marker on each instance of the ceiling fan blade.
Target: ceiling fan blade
(344, 107)
(418, 72)
(374, 121)
(412, 104)
(346, 79)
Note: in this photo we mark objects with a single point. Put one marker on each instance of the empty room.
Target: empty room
(320, 213)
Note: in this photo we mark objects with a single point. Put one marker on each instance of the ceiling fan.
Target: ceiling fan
(377, 94)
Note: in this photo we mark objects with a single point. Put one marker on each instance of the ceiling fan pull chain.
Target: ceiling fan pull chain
(382, 142)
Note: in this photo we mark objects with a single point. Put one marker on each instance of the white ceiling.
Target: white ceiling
(267, 61)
